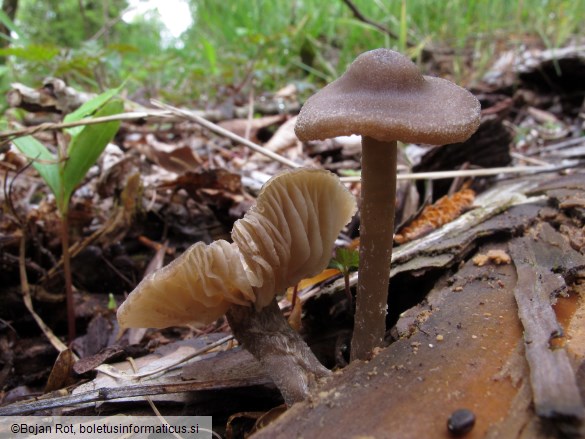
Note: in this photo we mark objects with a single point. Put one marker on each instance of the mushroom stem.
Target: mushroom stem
(376, 236)
(282, 352)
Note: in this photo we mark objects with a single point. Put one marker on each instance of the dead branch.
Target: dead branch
(426, 53)
(109, 393)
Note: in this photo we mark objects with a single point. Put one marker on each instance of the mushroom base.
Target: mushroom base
(282, 352)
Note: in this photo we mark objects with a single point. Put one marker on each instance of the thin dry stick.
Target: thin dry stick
(53, 339)
(527, 159)
(171, 111)
(225, 133)
(151, 402)
(24, 285)
(471, 172)
(9, 135)
(108, 394)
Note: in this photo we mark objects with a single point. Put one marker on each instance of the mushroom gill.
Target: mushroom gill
(290, 232)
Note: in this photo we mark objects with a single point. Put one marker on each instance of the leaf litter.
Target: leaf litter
(171, 183)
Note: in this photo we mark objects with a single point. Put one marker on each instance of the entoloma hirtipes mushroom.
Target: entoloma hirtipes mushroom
(286, 236)
(384, 98)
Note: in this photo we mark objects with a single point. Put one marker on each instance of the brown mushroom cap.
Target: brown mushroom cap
(383, 95)
(289, 234)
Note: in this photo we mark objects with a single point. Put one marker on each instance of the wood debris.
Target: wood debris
(496, 256)
(552, 378)
(445, 210)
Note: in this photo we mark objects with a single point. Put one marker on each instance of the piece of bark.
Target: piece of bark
(411, 388)
(448, 245)
(230, 364)
(552, 378)
(567, 193)
(123, 392)
(559, 69)
(54, 97)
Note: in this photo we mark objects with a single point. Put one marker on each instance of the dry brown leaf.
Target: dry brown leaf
(284, 137)
(240, 126)
(326, 274)
(196, 183)
(61, 374)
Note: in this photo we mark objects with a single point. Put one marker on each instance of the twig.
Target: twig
(9, 135)
(527, 159)
(169, 113)
(361, 17)
(57, 344)
(108, 394)
(189, 115)
(151, 402)
(437, 175)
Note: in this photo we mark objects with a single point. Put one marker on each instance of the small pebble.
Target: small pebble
(461, 422)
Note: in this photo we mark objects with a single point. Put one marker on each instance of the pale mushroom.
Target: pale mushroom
(384, 98)
(288, 235)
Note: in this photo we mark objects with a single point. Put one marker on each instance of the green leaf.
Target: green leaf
(123, 48)
(112, 305)
(43, 161)
(89, 108)
(32, 52)
(211, 55)
(9, 24)
(86, 147)
(345, 259)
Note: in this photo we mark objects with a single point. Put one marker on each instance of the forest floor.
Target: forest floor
(462, 295)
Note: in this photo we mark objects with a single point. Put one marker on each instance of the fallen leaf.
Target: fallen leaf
(61, 375)
(326, 274)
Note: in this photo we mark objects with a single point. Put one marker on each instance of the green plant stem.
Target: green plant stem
(67, 275)
(376, 237)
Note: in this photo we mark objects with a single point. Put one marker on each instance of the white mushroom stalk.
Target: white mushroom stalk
(287, 236)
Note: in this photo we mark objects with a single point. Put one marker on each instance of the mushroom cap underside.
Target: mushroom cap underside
(196, 288)
(383, 95)
(290, 232)
(288, 235)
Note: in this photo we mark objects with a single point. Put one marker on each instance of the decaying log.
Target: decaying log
(539, 66)
(503, 212)
(489, 147)
(463, 347)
